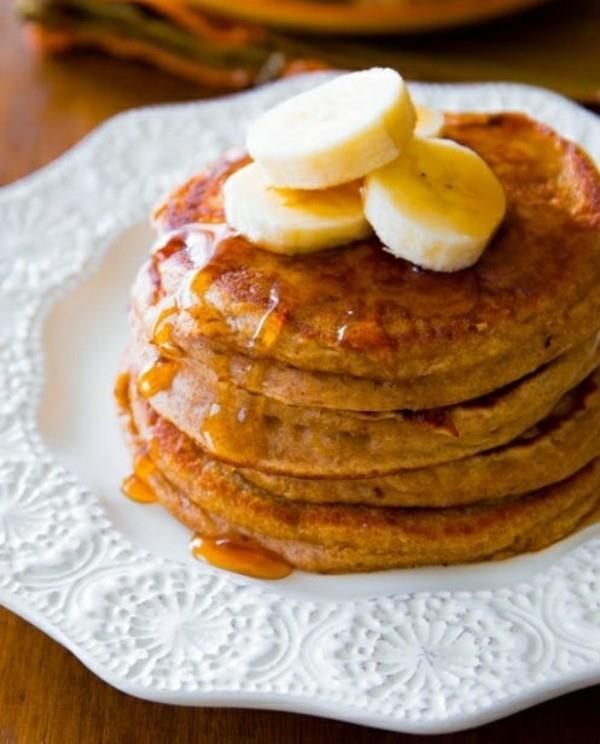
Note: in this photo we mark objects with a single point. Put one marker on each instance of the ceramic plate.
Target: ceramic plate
(429, 650)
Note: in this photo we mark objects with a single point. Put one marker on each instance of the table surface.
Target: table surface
(46, 695)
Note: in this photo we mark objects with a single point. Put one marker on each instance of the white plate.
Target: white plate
(429, 650)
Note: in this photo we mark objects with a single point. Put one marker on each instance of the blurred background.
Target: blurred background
(65, 65)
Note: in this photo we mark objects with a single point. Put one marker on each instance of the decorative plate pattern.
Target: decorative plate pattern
(428, 661)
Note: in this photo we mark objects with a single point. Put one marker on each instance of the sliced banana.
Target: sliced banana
(292, 221)
(335, 133)
(437, 205)
(430, 122)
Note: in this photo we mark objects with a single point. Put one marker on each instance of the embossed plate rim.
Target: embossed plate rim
(421, 662)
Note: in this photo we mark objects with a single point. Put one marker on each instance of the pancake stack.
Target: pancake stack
(348, 411)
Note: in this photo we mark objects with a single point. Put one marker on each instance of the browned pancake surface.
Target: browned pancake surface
(234, 450)
(358, 310)
(350, 537)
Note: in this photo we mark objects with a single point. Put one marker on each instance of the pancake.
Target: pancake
(351, 412)
(357, 311)
(303, 387)
(551, 451)
(254, 431)
(334, 537)
(331, 559)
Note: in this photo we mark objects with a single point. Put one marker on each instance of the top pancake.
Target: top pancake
(357, 310)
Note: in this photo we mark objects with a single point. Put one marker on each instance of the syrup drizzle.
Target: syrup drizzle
(211, 253)
(162, 332)
(157, 377)
(214, 252)
(253, 376)
(240, 555)
(227, 427)
(137, 490)
(269, 325)
(144, 468)
(121, 391)
(207, 248)
(198, 238)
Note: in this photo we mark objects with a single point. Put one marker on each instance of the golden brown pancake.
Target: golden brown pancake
(335, 537)
(352, 412)
(255, 431)
(550, 451)
(358, 311)
(527, 533)
(307, 387)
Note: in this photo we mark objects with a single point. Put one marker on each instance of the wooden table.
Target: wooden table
(46, 695)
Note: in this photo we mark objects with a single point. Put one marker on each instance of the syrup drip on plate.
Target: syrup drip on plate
(157, 377)
(240, 555)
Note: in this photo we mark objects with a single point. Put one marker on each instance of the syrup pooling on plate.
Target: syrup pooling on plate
(241, 555)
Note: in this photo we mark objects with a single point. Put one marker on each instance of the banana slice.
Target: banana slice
(437, 205)
(429, 122)
(292, 221)
(334, 133)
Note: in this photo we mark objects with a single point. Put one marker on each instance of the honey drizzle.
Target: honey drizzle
(162, 332)
(138, 490)
(241, 555)
(212, 251)
(144, 468)
(166, 246)
(208, 249)
(195, 243)
(215, 251)
(158, 376)
(269, 325)
(121, 391)
(253, 376)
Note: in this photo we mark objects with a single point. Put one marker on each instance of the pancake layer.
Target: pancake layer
(335, 537)
(356, 310)
(253, 430)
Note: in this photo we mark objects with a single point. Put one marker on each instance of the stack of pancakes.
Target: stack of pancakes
(351, 412)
